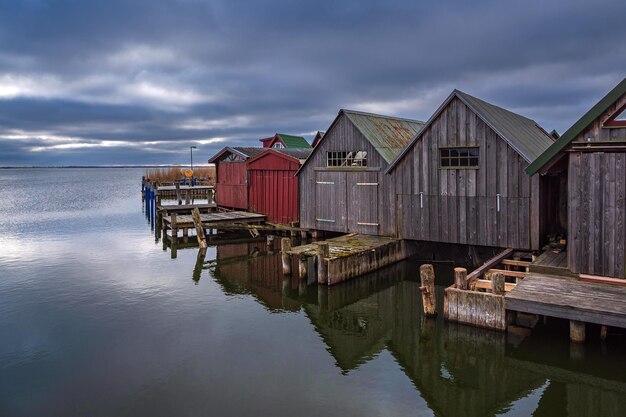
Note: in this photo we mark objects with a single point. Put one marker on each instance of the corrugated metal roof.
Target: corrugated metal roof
(292, 141)
(577, 128)
(522, 133)
(389, 135)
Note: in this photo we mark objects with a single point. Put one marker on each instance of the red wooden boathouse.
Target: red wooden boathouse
(232, 176)
(273, 185)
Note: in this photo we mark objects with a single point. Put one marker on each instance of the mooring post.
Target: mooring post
(285, 246)
(302, 267)
(178, 193)
(577, 331)
(427, 277)
(197, 221)
(173, 226)
(497, 283)
(323, 253)
(460, 278)
(187, 192)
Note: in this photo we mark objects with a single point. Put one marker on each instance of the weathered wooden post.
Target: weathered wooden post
(285, 246)
(497, 283)
(460, 278)
(323, 253)
(173, 226)
(195, 214)
(180, 201)
(302, 267)
(577, 331)
(187, 192)
(427, 277)
(603, 332)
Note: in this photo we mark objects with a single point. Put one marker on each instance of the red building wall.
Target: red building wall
(274, 186)
(232, 186)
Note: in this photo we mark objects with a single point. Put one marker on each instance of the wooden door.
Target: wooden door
(362, 204)
(330, 200)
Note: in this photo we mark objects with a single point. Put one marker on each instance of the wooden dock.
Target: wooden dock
(551, 263)
(210, 221)
(348, 256)
(569, 299)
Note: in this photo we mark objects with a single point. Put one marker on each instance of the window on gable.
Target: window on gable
(278, 145)
(458, 157)
(354, 159)
(618, 119)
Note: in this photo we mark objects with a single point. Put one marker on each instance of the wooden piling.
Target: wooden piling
(603, 332)
(497, 283)
(173, 226)
(302, 267)
(460, 278)
(323, 253)
(427, 277)
(178, 198)
(195, 214)
(577, 331)
(285, 246)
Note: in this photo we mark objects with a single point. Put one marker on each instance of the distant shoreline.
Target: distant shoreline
(102, 166)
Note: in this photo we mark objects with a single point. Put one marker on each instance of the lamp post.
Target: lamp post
(191, 148)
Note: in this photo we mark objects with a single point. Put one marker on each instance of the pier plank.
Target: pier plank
(569, 299)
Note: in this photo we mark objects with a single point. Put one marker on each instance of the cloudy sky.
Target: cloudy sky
(138, 82)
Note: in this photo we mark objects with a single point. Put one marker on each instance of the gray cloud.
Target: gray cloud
(123, 82)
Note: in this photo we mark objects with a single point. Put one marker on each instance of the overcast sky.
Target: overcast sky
(138, 82)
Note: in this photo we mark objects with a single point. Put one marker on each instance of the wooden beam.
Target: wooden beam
(512, 262)
(477, 273)
(603, 280)
(486, 284)
(516, 274)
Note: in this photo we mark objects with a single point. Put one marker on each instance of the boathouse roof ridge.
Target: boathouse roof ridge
(524, 135)
(243, 151)
(577, 128)
(387, 134)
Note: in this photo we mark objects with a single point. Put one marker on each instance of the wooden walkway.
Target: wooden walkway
(209, 219)
(551, 263)
(569, 299)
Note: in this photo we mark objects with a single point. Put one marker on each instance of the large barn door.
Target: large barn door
(362, 202)
(330, 199)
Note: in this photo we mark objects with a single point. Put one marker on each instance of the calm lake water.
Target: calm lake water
(97, 319)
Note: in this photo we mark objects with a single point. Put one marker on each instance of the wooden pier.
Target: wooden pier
(210, 221)
(346, 256)
(569, 299)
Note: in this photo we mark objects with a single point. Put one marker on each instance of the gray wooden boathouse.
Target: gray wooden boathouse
(589, 164)
(462, 178)
(342, 184)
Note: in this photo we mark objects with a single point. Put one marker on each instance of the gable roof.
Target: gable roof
(242, 151)
(387, 134)
(295, 155)
(578, 127)
(524, 135)
(291, 141)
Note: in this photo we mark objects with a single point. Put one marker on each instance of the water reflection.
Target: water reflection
(458, 370)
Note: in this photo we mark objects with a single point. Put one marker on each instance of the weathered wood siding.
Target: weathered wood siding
(351, 200)
(460, 205)
(597, 203)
